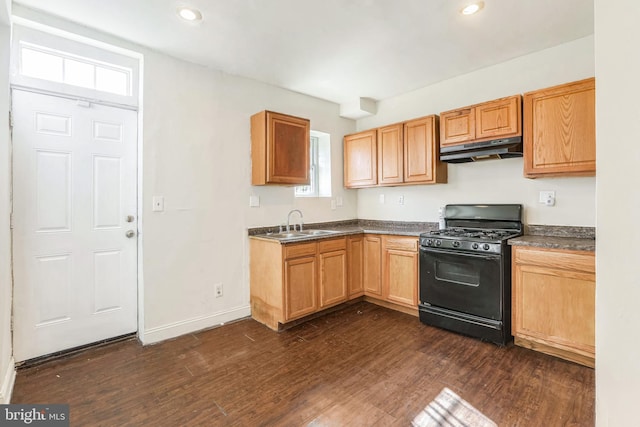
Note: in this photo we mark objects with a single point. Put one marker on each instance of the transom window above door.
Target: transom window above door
(53, 61)
(56, 66)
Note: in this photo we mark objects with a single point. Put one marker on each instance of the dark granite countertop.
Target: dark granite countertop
(557, 237)
(345, 228)
(543, 236)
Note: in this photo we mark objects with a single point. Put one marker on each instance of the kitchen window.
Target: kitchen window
(320, 167)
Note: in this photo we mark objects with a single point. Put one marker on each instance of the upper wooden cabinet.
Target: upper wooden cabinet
(279, 149)
(559, 130)
(458, 126)
(360, 160)
(501, 118)
(399, 154)
(422, 163)
(390, 154)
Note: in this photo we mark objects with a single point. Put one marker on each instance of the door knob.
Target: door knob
(130, 233)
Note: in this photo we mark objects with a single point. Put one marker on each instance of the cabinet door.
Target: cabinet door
(554, 301)
(457, 126)
(360, 166)
(372, 274)
(355, 253)
(333, 278)
(559, 130)
(421, 152)
(287, 149)
(499, 118)
(300, 287)
(400, 270)
(390, 155)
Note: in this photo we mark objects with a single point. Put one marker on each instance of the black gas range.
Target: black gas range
(465, 271)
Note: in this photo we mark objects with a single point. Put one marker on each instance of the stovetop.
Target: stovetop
(466, 239)
(470, 233)
(475, 228)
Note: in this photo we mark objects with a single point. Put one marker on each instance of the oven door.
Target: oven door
(461, 281)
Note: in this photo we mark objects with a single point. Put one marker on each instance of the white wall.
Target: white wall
(197, 155)
(7, 373)
(491, 181)
(618, 204)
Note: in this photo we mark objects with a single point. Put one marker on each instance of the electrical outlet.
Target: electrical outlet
(547, 198)
(254, 201)
(381, 199)
(401, 200)
(218, 288)
(333, 204)
(339, 201)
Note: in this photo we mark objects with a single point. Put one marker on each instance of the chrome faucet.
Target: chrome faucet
(289, 220)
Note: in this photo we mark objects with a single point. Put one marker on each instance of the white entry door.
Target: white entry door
(74, 223)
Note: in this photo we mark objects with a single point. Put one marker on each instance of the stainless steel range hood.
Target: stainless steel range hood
(485, 150)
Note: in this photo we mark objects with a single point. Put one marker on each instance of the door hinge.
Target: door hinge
(11, 221)
(10, 120)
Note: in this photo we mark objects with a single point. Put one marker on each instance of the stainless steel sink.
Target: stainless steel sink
(285, 235)
(300, 234)
(316, 232)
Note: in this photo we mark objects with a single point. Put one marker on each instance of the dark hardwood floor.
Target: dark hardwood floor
(362, 365)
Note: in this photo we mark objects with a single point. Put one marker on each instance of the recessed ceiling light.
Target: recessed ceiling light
(472, 8)
(189, 14)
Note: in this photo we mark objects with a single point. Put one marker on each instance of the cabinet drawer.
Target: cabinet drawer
(298, 250)
(565, 260)
(401, 243)
(332, 245)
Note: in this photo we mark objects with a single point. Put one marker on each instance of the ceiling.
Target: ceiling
(338, 50)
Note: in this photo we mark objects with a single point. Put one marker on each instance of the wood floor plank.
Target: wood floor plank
(360, 365)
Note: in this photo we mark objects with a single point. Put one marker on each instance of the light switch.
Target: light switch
(339, 201)
(381, 199)
(158, 204)
(254, 201)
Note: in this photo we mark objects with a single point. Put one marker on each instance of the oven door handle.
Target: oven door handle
(460, 253)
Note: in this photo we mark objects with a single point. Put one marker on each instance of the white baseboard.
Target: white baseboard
(187, 326)
(8, 379)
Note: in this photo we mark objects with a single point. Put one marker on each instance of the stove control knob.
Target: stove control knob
(474, 246)
(456, 244)
(438, 242)
(429, 242)
(485, 246)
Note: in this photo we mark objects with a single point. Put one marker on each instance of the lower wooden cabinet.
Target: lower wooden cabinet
(400, 270)
(355, 266)
(391, 269)
(554, 302)
(332, 257)
(291, 281)
(372, 275)
(300, 287)
(295, 280)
